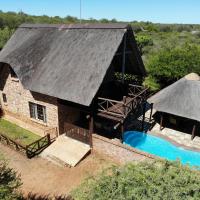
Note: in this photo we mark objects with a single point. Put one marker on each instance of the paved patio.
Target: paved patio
(174, 136)
(181, 138)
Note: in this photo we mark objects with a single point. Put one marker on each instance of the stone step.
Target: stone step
(66, 150)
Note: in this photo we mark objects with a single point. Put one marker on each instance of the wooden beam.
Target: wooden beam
(193, 132)
(121, 53)
(143, 113)
(91, 130)
(117, 126)
(161, 122)
(122, 132)
(151, 112)
(124, 58)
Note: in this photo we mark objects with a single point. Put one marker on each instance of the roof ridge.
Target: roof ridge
(79, 26)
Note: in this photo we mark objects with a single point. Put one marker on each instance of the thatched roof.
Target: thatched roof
(181, 98)
(66, 61)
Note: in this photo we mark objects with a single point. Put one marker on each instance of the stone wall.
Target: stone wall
(118, 151)
(17, 107)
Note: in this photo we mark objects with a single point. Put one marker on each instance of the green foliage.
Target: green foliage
(143, 41)
(151, 83)
(129, 78)
(169, 65)
(9, 183)
(160, 180)
(5, 34)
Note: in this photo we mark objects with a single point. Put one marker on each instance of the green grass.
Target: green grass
(17, 133)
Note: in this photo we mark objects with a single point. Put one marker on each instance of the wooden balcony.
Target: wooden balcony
(119, 110)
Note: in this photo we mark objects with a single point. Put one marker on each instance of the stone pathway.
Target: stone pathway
(179, 137)
(183, 139)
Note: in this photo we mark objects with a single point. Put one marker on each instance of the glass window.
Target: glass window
(4, 97)
(37, 111)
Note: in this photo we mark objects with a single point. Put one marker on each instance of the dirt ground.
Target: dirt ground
(43, 177)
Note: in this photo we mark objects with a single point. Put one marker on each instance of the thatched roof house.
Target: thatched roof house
(69, 62)
(180, 98)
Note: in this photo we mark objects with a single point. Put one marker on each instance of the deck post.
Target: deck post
(122, 131)
(161, 122)
(91, 130)
(151, 112)
(193, 132)
(143, 115)
(124, 59)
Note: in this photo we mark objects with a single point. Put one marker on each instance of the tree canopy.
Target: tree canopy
(156, 181)
(9, 183)
(169, 65)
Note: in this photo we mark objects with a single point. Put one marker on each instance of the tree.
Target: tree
(9, 183)
(147, 180)
(143, 41)
(169, 65)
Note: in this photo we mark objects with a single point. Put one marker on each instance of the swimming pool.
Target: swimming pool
(160, 147)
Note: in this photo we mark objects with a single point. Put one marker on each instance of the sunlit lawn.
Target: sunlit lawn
(17, 133)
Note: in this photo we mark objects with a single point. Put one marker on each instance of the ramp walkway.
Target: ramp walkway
(66, 151)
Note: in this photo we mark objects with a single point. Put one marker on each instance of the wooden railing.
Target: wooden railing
(30, 150)
(110, 106)
(36, 147)
(136, 95)
(13, 144)
(137, 91)
(77, 133)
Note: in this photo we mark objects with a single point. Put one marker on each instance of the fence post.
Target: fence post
(27, 152)
(48, 138)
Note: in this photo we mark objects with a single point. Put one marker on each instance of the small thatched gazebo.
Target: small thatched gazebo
(180, 99)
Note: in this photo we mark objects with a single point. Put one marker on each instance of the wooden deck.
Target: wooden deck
(119, 110)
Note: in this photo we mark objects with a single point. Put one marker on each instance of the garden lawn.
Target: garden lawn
(17, 133)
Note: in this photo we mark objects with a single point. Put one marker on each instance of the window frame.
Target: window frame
(37, 112)
(4, 97)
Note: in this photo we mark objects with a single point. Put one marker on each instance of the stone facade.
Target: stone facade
(16, 108)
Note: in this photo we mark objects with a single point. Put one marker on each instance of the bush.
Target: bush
(143, 41)
(157, 180)
(169, 65)
(9, 183)
(151, 83)
(5, 34)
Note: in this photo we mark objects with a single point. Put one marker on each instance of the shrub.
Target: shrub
(169, 65)
(143, 41)
(9, 183)
(157, 180)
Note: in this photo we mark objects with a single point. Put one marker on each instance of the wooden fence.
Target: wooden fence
(30, 150)
(38, 146)
(13, 144)
(77, 133)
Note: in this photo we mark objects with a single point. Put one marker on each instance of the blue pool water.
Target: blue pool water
(160, 147)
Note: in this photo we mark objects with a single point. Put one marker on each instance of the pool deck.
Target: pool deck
(177, 138)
